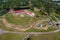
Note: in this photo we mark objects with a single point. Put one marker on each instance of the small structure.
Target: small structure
(41, 25)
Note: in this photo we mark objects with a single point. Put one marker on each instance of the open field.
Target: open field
(12, 25)
(12, 36)
(30, 30)
(38, 30)
(55, 36)
(17, 19)
(2, 26)
(23, 21)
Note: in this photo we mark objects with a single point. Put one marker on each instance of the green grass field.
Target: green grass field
(2, 26)
(30, 30)
(55, 36)
(22, 20)
(8, 36)
(37, 30)
(17, 19)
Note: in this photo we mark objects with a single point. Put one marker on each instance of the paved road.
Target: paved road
(4, 31)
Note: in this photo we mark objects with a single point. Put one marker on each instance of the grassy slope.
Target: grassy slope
(17, 20)
(22, 21)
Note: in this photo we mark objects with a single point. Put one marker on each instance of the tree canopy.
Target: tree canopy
(46, 6)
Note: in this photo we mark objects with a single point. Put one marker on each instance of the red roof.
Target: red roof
(30, 12)
(11, 11)
(19, 11)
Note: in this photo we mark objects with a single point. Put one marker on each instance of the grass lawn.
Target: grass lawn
(8, 36)
(23, 20)
(30, 30)
(54, 36)
(37, 30)
(17, 20)
(55, 17)
(2, 26)
(58, 16)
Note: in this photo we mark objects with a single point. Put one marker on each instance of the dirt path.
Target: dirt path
(14, 26)
(24, 29)
(40, 21)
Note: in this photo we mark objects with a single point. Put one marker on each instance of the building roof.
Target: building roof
(30, 13)
(19, 11)
(11, 11)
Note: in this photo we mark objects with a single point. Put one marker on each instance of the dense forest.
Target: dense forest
(46, 6)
